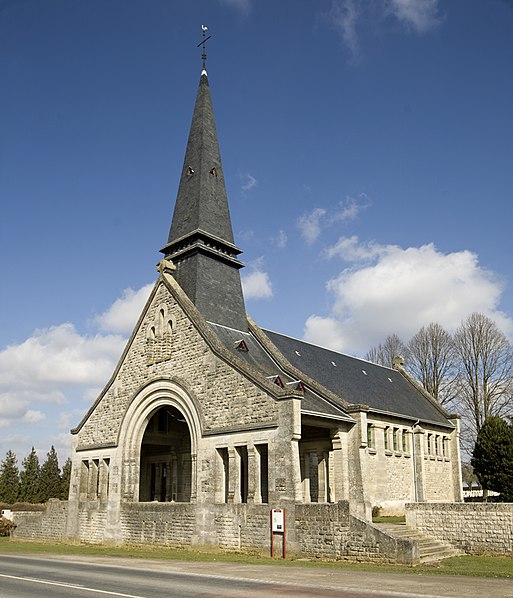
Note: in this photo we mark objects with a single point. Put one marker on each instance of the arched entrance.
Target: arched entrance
(161, 423)
(165, 462)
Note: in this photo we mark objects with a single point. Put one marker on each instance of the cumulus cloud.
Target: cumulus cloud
(256, 283)
(351, 250)
(58, 355)
(57, 365)
(122, 315)
(388, 289)
(33, 416)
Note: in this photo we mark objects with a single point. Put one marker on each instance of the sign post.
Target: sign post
(278, 527)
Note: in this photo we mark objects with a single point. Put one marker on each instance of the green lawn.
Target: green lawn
(477, 566)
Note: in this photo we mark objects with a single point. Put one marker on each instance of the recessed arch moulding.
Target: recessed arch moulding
(151, 398)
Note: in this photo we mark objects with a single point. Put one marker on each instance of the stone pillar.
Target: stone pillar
(253, 472)
(338, 486)
(92, 480)
(418, 464)
(359, 483)
(313, 467)
(233, 477)
(455, 457)
(173, 477)
(322, 484)
(194, 477)
(305, 467)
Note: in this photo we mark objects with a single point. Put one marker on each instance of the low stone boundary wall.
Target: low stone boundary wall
(42, 525)
(330, 531)
(475, 528)
(313, 530)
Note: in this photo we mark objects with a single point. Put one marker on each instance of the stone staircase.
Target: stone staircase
(430, 549)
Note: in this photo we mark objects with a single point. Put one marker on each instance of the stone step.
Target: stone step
(430, 549)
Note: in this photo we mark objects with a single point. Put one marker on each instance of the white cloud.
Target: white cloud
(400, 291)
(351, 250)
(281, 239)
(350, 209)
(57, 365)
(243, 5)
(256, 284)
(122, 315)
(33, 416)
(422, 15)
(250, 183)
(58, 355)
(344, 16)
(310, 225)
(347, 16)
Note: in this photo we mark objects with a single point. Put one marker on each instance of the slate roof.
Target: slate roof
(200, 242)
(358, 381)
(257, 357)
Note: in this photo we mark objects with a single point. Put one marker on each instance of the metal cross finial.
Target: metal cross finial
(204, 29)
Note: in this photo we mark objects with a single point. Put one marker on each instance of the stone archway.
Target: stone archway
(165, 461)
(142, 444)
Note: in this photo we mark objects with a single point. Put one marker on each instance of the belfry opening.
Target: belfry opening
(166, 464)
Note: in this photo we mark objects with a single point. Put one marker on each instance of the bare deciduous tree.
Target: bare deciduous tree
(384, 354)
(486, 366)
(432, 360)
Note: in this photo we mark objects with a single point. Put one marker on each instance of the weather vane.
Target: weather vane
(204, 29)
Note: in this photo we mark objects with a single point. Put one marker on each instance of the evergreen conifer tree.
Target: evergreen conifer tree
(9, 479)
(29, 476)
(65, 479)
(50, 479)
(492, 459)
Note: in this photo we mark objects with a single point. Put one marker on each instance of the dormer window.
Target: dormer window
(241, 346)
(190, 171)
(277, 380)
(213, 172)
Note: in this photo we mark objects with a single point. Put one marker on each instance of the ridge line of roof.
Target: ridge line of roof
(330, 350)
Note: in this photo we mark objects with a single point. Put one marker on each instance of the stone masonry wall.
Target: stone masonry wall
(329, 531)
(476, 528)
(171, 524)
(225, 397)
(42, 525)
(315, 530)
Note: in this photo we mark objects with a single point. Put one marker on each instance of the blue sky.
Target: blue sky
(367, 147)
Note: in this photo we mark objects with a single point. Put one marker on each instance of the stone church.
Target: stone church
(210, 421)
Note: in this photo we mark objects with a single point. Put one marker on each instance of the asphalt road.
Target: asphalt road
(89, 577)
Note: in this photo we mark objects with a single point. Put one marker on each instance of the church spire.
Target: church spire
(200, 240)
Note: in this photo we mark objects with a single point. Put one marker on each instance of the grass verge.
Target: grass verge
(475, 566)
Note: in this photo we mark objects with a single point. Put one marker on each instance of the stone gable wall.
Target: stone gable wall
(225, 397)
(471, 527)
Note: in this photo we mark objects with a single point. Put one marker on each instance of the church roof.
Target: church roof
(200, 242)
(358, 381)
(201, 247)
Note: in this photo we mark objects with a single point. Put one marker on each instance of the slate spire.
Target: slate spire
(200, 240)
